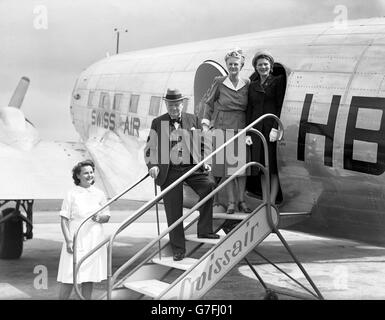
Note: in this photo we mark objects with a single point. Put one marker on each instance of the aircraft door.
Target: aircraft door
(204, 77)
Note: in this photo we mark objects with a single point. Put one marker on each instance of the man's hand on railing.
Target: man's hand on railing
(154, 171)
(70, 245)
(248, 141)
(205, 128)
(206, 167)
(101, 218)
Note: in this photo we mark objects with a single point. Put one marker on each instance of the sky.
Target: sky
(52, 41)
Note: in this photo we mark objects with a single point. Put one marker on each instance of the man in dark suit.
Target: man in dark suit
(169, 154)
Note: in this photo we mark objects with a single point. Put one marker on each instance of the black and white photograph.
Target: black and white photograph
(210, 151)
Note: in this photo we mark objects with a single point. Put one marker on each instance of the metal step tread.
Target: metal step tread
(234, 216)
(287, 219)
(289, 214)
(184, 264)
(194, 237)
(151, 287)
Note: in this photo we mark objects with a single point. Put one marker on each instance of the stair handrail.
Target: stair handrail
(76, 234)
(139, 212)
(177, 222)
(150, 203)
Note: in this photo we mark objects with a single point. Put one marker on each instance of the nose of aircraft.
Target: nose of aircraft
(12, 118)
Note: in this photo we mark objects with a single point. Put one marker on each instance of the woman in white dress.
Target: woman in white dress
(79, 203)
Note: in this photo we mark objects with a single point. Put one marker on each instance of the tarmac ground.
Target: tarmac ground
(340, 269)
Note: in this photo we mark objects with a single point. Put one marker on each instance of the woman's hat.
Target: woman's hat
(173, 95)
(263, 54)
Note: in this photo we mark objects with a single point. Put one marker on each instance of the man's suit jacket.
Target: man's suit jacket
(159, 138)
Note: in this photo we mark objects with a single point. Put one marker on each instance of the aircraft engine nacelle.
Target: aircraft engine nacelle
(15, 130)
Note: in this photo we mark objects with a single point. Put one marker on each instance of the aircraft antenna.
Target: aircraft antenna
(117, 38)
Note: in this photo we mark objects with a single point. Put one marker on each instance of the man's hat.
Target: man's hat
(173, 95)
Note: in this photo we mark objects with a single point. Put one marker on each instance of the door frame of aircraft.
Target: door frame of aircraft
(204, 77)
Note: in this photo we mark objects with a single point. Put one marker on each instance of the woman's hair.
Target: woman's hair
(263, 55)
(77, 169)
(236, 53)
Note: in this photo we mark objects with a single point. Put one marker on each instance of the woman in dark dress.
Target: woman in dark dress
(266, 93)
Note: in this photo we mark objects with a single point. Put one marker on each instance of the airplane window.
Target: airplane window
(134, 103)
(90, 102)
(154, 106)
(116, 103)
(104, 101)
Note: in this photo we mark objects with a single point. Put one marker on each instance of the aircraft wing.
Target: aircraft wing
(42, 172)
(121, 165)
(29, 167)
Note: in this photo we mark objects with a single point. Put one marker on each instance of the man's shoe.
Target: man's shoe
(229, 225)
(178, 256)
(209, 236)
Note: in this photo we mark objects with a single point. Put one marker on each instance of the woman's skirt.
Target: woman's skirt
(230, 159)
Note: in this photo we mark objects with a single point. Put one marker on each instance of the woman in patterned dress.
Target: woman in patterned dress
(225, 110)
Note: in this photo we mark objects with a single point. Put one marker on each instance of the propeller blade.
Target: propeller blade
(19, 94)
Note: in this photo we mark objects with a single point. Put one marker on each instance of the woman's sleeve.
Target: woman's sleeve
(280, 94)
(211, 96)
(249, 108)
(66, 206)
(248, 113)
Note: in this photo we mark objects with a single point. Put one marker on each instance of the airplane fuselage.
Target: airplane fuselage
(332, 159)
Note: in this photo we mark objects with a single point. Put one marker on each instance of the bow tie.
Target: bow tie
(173, 121)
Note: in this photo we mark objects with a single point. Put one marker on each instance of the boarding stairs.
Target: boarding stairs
(153, 274)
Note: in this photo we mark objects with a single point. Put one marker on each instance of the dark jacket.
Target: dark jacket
(262, 99)
(153, 152)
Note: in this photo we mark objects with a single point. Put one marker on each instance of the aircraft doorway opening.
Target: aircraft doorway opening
(203, 80)
(253, 184)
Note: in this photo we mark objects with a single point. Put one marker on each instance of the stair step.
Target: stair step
(194, 237)
(152, 287)
(290, 218)
(184, 264)
(300, 213)
(234, 216)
